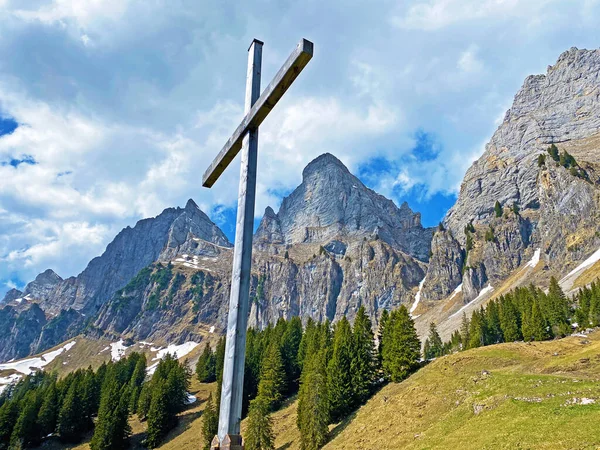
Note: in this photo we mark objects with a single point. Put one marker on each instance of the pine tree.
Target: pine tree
(48, 413)
(509, 320)
(363, 365)
(210, 422)
(401, 351)
(383, 320)
(492, 319)
(498, 209)
(306, 342)
(8, 416)
(112, 428)
(143, 405)
(290, 344)
(219, 362)
(436, 346)
(272, 376)
(538, 324)
(464, 332)
(313, 403)
(205, 367)
(339, 375)
(136, 382)
(477, 330)
(558, 311)
(25, 432)
(158, 414)
(259, 434)
(90, 396)
(553, 151)
(541, 160)
(71, 422)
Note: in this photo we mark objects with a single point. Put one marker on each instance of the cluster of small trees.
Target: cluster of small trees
(564, 159)
(334, 369)
(41, 405)
(526, 313)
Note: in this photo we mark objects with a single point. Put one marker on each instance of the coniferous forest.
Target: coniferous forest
(41, 406)
(332, 369)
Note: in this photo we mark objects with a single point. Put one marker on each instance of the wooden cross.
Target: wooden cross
(245, 138)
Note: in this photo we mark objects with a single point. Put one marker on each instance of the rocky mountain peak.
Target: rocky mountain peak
(325, 163)
(43, 284)
(11, 295)
(332, 203)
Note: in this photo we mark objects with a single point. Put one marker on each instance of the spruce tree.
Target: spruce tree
(383, 320)
(135, 383)
(538, 324)
(205, 367)
(210, 422)
(402, 349)
(509, 320)
(272, 376)
(464, 332)
(71, 422)
(339, 374)
(9, 412)
(313, 403)
(48, 413)
(112, 428)
(436, 346)
(26, 433)
(144, 400)
(259, 434)
(363, 366)
(477, 330)
(290, 344)
(498, 209)
(494, 327)
(158, 414)
(219, 362)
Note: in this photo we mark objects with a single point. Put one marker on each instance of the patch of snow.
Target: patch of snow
(27, 297)
(486, 290)
(190, 399)
(117, 350)
(179, 351)
(145, 344)
(418, 296)
(535, 259)
(212, 329)
(151, 369)
(27, 366)
(579, 335)
(588, 262)
(19, 300)
(456, 291)
(104, 349)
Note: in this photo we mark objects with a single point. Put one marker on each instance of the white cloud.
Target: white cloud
(437, 14)
(123, 104)
(468, 61)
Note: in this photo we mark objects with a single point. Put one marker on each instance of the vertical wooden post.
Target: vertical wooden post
(230, 413)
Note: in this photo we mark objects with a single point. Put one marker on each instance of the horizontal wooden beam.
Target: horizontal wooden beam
(261, 109)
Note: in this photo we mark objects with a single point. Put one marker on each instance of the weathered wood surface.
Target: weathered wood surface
(230, 413)
(299, 58)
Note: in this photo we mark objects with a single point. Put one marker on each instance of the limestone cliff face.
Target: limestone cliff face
(331, 202)
(557, 207)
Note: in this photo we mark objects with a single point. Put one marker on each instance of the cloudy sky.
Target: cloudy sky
(110, 110)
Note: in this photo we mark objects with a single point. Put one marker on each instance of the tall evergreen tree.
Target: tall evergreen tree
(210, 422)
(290, 344)
(477, 330)
(259, 434)
(436, 346)
(135, 383)
(205, 367)
(9, 412)
(272, 376)
(383, 320)
(112, 428)
(26, 432)
(464, 332)
(48, 413)
(158, 415)
(339, 374)
(71, 422)
(313, 403)
(498, 209)
(363, 365)
(402, 349)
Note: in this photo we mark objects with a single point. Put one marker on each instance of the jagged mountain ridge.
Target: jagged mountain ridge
(335, 244)
(67, 304)
(557, 210)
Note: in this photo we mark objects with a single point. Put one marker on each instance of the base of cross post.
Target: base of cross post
(230, 442)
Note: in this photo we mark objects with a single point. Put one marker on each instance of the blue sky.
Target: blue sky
(119, 105)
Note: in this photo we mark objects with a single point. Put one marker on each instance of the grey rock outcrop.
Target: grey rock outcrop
(332, 203)
(11, 295)
(557, 209)
(43, 285)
